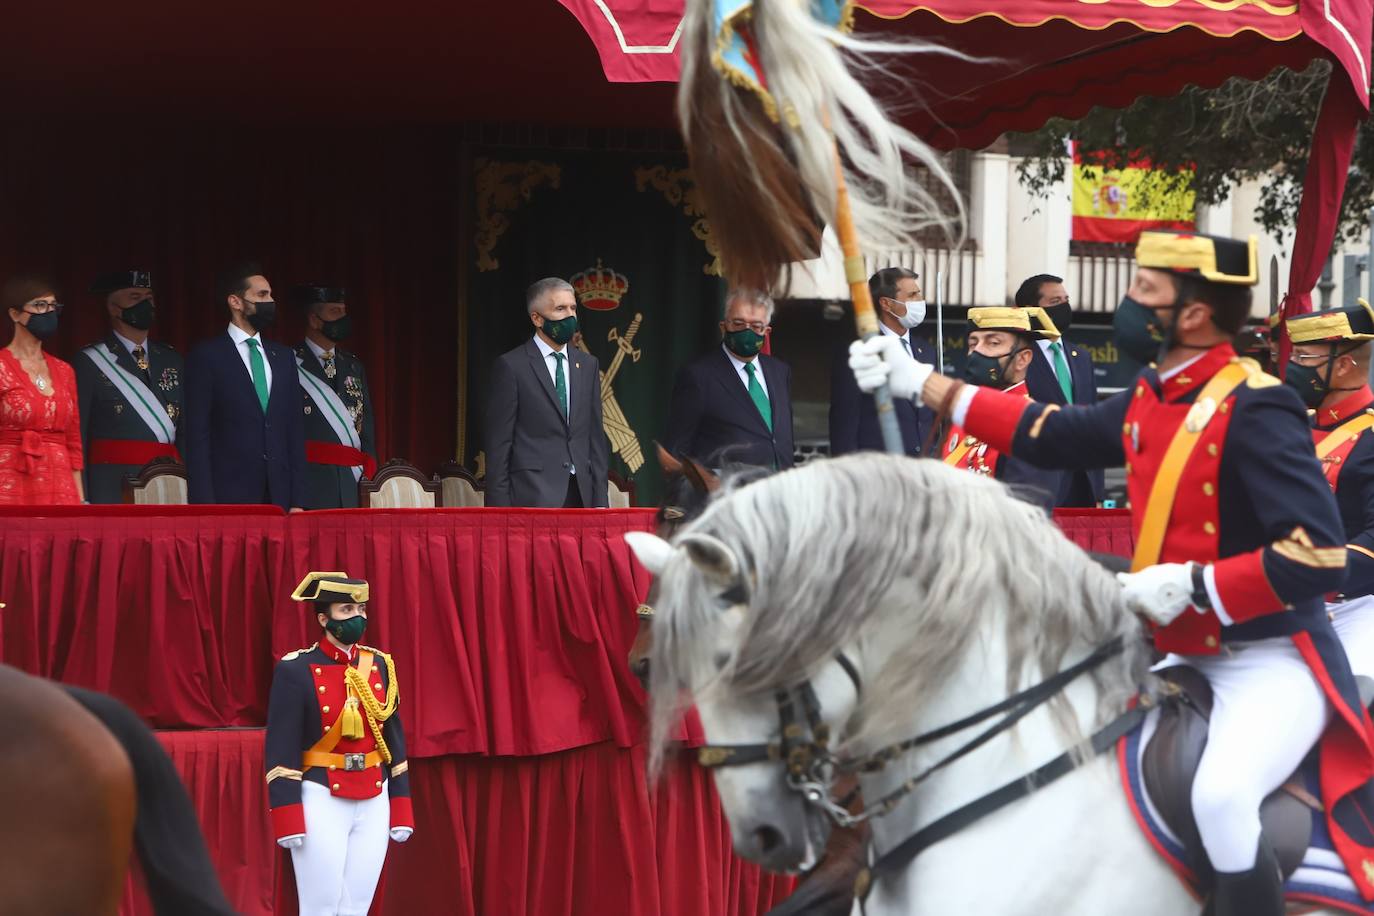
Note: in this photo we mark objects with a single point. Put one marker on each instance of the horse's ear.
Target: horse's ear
(650, 549)
(715, 560)
(666, 461)
(701, 477)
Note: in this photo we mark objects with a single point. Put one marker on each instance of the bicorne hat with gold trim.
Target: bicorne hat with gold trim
(1028, 321)
(1210, 257)
(331, 588)
(1354, 322)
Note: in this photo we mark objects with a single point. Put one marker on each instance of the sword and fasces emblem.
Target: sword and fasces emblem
(601, 289)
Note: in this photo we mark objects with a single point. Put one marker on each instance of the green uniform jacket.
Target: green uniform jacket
(105, 414)
(330, 486)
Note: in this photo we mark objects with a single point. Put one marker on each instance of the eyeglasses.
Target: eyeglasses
(1308, 359)
(43, 306)
(739, 324)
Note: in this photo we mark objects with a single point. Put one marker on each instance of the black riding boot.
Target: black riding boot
(1257, 892)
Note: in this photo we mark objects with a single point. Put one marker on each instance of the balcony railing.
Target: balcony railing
(1099, 275)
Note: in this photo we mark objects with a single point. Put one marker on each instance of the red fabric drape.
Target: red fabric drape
(1333, 142)
(509, 627)
(374, 209)
(560, 835)
(1100, 530)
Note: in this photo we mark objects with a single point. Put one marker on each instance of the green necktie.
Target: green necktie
(760, 399)
(560, 385)
(1061, 371)
(259, 370)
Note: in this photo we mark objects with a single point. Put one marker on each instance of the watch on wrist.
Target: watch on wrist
(1200, 597)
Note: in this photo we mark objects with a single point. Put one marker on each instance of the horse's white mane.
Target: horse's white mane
(821, 547)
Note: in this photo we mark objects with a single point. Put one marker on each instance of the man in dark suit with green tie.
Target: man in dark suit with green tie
(340, 432)
(128, 389)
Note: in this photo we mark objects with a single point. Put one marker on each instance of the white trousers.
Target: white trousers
(1354, 625)
(338, 865)
(1267, 712)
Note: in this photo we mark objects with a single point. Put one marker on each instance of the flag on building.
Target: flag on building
(1114, 205)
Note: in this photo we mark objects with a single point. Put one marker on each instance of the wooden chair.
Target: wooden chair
(460, 487)
(620, 491)
(398, 484)
(160, 482)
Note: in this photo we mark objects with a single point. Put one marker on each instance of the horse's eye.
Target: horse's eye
(721, 659)
(735, 594)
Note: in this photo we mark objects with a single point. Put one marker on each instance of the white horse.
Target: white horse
(946, 595)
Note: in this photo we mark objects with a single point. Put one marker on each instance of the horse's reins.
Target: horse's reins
(811, 766)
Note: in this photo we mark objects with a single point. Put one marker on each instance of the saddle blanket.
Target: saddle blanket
(1320, 880)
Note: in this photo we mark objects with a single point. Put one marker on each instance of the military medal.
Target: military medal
(1199, 415)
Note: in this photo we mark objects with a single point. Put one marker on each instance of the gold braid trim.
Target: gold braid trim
(376, 713)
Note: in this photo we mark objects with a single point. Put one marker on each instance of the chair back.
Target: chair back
(399, 485)
(160, 482)
(460, 487)
(620, 492)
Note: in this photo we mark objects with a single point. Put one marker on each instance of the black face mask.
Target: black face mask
(139, 315)
(1313, 383)
(990, 371)
(1138, 331)
(1061, 315)
(338, 329)
(43, 326)
(265, 314)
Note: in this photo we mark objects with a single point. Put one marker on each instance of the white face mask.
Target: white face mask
(915, 314)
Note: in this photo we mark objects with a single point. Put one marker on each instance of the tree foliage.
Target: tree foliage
(1213, 139)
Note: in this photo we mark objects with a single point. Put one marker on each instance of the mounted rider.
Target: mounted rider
(1001, 345)
(1329, 368)
(1237, 541)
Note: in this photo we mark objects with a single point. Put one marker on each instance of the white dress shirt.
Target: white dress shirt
(905, 336)
(129, 344)
(1049, 357)
(320, 351)
(240, 337)
(743, 374)
(552, 365)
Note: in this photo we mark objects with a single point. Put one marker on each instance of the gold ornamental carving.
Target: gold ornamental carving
(624, 441)
(501, 188)
(680, 190)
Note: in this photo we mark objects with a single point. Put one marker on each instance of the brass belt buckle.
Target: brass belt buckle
(355, 762)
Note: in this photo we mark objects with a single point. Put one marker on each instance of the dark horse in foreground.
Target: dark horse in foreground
(84, 782)
(828, 889)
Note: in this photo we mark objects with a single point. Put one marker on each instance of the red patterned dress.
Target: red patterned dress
(40, 435)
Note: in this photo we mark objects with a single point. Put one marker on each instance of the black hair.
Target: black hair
(234, 280)
(883, 284)
(1230, 302)
(1028, 293)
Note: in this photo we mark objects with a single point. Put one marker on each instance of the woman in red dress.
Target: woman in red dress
(40, 429)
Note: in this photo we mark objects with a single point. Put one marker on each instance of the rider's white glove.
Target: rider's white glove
(1159, 592)
(291, 842)
(401, 834)
(882, 359)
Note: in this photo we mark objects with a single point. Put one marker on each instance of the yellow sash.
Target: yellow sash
(1164, 490)
(960, 450)
(1342, 434)
(332, 737)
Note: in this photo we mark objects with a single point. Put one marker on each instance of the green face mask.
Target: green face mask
(562, 330)
(744, 342)
(1138, 331)
(991, 371)
(347, 631)
(338, 329)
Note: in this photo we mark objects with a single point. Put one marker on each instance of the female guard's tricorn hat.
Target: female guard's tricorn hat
(1209, 257)
(122, 279)
(312, 293)
(331, 588)
(1354, 322)
(1029, 321)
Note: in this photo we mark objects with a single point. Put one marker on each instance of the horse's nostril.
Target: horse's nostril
(640, 668)
(769, 838)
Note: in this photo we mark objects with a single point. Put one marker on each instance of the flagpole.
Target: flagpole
(865, 318)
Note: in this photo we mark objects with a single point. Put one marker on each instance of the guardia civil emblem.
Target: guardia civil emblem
(600, 289)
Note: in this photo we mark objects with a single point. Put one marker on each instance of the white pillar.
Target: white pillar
(1038, 229)
(987, 212)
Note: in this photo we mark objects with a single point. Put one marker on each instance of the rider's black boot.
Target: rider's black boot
(1257, 892)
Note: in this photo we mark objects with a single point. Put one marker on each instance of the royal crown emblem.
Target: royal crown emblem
(599, 288)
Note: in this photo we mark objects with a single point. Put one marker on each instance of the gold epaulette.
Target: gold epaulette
(1256, 377)
(295, 653)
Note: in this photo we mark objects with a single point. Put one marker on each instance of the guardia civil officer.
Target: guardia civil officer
(128, 388)
(335, 755)
(1238, 540)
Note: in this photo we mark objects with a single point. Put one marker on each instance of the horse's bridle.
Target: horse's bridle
(811, 766)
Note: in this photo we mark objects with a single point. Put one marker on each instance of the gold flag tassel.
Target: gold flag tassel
(352, 725)
(377, 714)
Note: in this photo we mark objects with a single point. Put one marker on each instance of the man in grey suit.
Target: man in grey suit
(546, 446)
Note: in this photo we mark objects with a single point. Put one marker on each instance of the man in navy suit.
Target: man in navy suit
(734, 405)
(853, 419)
(1061, 373)
(245, 433)
(546, 445)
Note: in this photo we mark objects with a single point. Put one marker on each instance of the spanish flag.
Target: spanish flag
(1115, 205)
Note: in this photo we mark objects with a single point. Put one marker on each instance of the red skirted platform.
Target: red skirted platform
(510, 630)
